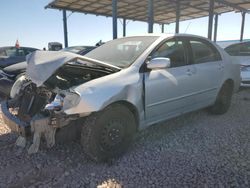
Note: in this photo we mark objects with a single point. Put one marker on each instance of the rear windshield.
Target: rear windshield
(122, 52)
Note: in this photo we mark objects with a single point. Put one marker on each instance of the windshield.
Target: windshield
(122, 52)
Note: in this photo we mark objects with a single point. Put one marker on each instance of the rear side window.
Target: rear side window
(203, 52)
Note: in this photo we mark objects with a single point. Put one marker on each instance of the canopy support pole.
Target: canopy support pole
(124, 27)
(150, 16)
(177, 22)
(114, 16)
(242, 26)
(210, 20)
(65, 29)
(215, 27)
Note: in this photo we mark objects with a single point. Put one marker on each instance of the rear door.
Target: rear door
(208, 64)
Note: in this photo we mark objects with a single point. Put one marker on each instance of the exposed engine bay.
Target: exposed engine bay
(72, 75)
(42, 107)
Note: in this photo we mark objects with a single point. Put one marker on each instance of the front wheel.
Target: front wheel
(108, 133)
(223, 100)
(19, 83)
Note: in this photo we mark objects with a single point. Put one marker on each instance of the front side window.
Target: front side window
(203, 52)
(174, 50)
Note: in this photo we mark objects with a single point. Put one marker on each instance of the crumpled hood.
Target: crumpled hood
(43, 64)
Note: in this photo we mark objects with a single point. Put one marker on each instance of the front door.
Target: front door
(168, 92)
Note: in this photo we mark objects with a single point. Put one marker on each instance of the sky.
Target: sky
(34, 26)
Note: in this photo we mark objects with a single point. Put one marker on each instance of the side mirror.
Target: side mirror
(159, 63)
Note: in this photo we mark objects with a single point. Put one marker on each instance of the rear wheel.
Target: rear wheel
(108, 133)
(223, 100)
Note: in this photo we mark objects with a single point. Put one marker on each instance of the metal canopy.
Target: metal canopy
(164, 10)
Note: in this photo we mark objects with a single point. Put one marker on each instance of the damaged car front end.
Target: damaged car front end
(98, 98)
(40, 99)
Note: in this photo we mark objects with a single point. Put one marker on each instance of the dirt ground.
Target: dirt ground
(194, 150)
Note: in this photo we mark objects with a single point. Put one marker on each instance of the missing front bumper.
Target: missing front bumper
(39, 126)
(13, 122)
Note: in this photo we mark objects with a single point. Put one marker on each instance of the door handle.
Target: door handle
(221, 66)
(189, 72)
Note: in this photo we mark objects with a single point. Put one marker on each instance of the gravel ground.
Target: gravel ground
(194, 150)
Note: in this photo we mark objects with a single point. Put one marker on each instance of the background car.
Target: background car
(241, 54)
(81, 50)
(9, 74)
(12, 55)
(54, 46)
(121, 87)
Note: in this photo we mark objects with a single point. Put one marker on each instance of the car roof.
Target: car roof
(167, 35)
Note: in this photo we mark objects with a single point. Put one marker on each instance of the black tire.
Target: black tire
(108, 133)
(223, 100)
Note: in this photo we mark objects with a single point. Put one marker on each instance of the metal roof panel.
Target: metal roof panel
(164, 10)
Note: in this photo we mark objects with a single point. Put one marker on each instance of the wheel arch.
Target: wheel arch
(223, 99)
(131, 108)
(230, 82)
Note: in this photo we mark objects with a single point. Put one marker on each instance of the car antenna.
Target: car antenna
(187, 26)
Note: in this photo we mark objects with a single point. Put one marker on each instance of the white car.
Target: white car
(115, 90)
(241, 54)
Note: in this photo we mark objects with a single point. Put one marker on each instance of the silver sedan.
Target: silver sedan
(117, 89)
(240, 52)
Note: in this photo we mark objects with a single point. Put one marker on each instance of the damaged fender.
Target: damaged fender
(94, 95)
